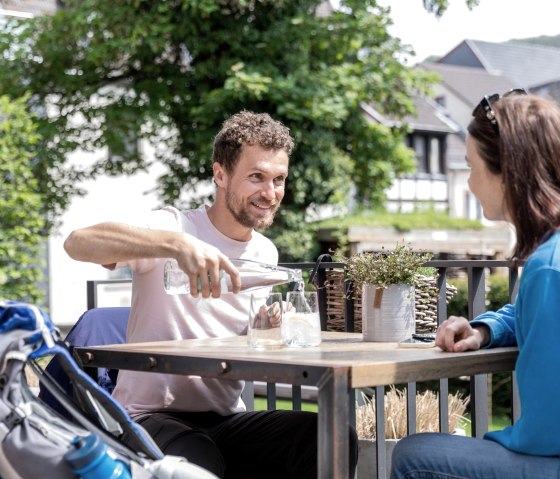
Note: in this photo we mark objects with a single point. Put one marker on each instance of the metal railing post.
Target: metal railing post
(349, 306)
(479, 382)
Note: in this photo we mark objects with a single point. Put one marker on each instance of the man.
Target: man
(204, 419)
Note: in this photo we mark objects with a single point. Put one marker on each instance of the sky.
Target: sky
(492, 20)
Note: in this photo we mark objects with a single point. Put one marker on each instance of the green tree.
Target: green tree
(108, 73)
(22, 229)
(438, 7)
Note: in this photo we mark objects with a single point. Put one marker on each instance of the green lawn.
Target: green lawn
(497, 423)
(260, 405)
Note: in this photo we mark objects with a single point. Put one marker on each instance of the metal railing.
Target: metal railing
(476, 297)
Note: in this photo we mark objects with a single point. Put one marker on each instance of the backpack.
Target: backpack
(35, 439)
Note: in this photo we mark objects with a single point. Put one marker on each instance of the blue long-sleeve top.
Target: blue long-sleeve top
(533, 324)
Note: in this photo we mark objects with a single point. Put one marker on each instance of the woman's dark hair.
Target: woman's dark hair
(525, 149)
(251, 129)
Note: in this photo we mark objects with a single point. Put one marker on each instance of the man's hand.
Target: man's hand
(456, 335)
(269, 316)
(201, 260)
(109, 243)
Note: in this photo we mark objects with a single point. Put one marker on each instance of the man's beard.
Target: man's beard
(242, 215)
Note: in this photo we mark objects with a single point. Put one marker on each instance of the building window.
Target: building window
(436, 158)
(429, 151)
(419, 143)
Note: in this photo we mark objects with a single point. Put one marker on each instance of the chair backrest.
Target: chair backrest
(95, 327)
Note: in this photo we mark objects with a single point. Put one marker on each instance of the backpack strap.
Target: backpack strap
(13, 419)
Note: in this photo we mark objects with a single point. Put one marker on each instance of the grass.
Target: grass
(402, 221)
(496, 423)
(260, 405)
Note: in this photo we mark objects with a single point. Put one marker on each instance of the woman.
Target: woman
(513, 151)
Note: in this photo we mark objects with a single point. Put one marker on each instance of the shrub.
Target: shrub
(23, 226)
(458, 305)
(497, 295)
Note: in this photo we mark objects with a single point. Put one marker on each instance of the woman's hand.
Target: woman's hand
(456, 335)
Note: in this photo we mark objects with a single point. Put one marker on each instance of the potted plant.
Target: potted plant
(387, 280)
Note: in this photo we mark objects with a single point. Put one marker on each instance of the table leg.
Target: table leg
(334, 421)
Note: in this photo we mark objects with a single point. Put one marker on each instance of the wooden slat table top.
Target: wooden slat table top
(370, 364)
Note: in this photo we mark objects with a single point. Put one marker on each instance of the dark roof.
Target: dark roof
(523, 64)
(35, 7)
(549, 89)
(429, 117)
(467, 83)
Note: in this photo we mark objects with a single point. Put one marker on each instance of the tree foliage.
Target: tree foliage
(104, 74)
(22, 227)
(438, 7)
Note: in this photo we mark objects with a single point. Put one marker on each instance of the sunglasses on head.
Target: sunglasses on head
(485, 106)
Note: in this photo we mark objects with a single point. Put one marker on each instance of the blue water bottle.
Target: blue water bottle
(90, 460)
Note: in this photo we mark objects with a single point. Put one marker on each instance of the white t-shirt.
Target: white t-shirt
(156, 316)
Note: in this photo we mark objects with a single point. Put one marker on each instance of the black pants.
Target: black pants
(248, 445)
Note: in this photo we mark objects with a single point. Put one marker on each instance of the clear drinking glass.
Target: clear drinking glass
(301, 326)
(265, 320)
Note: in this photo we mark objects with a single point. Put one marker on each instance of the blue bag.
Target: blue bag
(34, 439)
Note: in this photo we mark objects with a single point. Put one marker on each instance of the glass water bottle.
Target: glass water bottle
(253, 275)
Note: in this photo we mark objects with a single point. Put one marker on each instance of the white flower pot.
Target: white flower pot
(387, 313)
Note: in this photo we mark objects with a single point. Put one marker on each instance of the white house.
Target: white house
(107, 199)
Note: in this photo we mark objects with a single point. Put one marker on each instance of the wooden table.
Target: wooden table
(342, 362)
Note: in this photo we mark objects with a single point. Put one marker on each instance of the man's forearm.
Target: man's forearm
(109, 243)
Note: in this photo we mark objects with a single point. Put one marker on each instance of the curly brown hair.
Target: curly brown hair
(248, 128)
(526, 152)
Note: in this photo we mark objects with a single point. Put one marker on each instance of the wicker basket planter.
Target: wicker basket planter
(425, 292)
